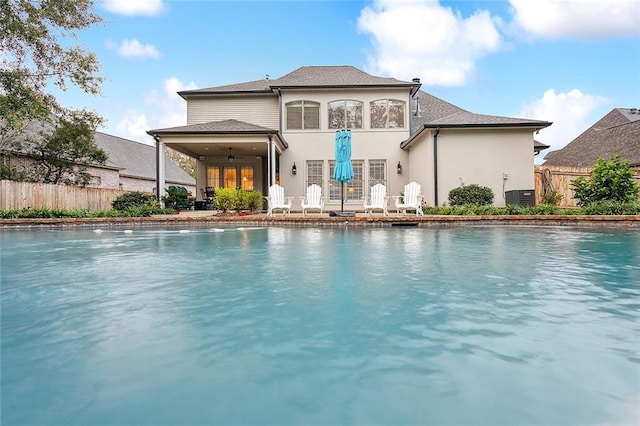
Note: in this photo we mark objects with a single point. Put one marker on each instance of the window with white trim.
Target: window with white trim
(303, 115)
(377, 172)
(387, 113)
(354, 189)
(314, 173)
(345, 114)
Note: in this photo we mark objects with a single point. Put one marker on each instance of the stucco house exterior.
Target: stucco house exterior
(253, 134)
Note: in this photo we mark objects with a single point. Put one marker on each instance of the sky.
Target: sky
(565, 61)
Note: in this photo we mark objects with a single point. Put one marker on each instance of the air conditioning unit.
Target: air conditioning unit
(520, 197)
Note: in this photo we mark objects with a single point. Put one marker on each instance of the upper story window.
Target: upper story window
(345, 114)
(387, 114)
(303, 115)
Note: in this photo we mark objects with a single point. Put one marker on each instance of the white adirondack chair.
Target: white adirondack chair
(313, 200)
(412, 199)
(377, 200)
(277, 200)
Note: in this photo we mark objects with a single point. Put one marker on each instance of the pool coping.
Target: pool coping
(298, 220)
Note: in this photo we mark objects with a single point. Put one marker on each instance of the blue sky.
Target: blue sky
(568, 61)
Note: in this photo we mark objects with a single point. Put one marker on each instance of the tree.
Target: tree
(63, 155)
(611, 180)
(186, 163)
(36, 52)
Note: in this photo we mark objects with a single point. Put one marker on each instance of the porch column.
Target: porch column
(272, 161)
(160, 167)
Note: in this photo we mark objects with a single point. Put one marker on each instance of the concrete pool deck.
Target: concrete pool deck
(315, 220)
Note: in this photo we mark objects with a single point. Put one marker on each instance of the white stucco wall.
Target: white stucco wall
(479, 156)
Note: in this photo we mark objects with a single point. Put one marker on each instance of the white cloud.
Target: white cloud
(423, 39)
(134, 7)
(569, 112)
(582, 19)
(134, 49)
(164, 108)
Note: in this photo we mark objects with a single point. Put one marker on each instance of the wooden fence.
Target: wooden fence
(559, 177)
(20, 195)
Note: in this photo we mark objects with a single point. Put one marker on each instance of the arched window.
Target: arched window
(387, 114)
(345, 114)
(303, 115)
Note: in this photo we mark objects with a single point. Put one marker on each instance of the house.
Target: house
(131, 166)
(253, 134)
(135, 163)
(616, 132)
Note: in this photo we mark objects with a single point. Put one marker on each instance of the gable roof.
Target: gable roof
(616, 132)
(137, 160)
(344, 76)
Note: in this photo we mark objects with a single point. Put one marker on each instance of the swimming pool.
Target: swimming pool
(483, 325)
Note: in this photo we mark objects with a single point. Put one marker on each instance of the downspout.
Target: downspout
(435, 167)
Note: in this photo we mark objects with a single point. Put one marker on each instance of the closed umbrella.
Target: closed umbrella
(343, 171)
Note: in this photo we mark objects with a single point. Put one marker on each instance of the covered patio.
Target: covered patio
(228, 154)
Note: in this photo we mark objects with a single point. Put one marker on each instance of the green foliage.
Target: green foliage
(134, 199)
(471, 194)
(232, 199)
(225, 199)
(255, 200)
(612, 208)
(9, 173)
(552, 196)
(177, 198)
(611, 180)
(41, 213)
(38, 51)
(63, 155)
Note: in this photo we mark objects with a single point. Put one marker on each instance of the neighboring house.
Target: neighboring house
(616, 132)
(136, 165)
(131, 166)
(250, 135)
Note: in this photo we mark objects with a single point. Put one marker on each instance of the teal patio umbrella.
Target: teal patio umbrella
(343, 171)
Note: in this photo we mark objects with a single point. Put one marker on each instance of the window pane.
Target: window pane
(311, 115)
(355, 187)
(230, 180)
(294, 115)
(377, 172)
(336, 115)
(378, 114)
(396, 114)
(246, 178)
(354, 115)
(314, 172)
(334, 185)
(213, 177)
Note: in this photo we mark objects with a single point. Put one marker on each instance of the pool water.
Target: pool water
(451, 326)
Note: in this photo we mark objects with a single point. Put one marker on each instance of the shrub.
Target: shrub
(471, 194)
(552, 197)
(226, 199)
(177, 198)
(133, 199)
(612, 208)
(611, 180)
(255, 200)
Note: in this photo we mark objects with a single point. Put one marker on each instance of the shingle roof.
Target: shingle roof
(137, 159)
(307, 77)
(616, 132)
(224, 126)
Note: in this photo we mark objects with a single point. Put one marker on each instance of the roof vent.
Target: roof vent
(266, 77)
(416, 80)
(634, 110)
